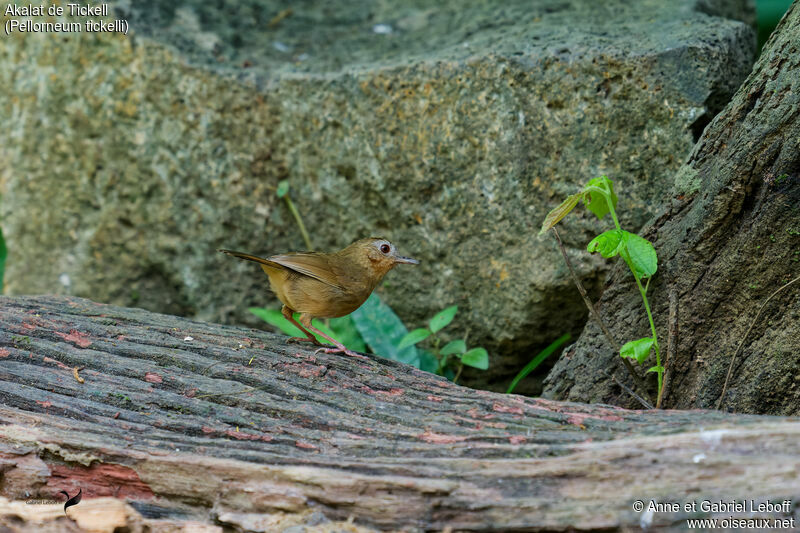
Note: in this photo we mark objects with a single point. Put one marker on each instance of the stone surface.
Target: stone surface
(126, 161)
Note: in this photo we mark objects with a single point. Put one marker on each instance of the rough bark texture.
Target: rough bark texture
(728, 239)
(197, 422)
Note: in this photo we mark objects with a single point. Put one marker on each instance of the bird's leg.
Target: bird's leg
(308, 338)
(340, 348)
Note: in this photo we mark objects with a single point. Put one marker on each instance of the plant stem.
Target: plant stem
(439, 357)
(642, 291)
(611, 206)
(458, 373)
(442, 363)
(614, 345)
(299, 220)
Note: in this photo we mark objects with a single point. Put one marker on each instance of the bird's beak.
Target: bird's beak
(406, 260)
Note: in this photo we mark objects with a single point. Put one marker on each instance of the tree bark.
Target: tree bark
(196, 422)
(726, 241)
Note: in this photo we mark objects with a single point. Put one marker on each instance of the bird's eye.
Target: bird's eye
(385, 248)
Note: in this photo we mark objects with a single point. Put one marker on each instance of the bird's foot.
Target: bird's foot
(340, 349)
(303, 339)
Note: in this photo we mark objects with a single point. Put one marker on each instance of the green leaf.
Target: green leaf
(442, 318)
(638, 349)
(658, 369)
(597, 201)
(600, 182)
(536, 361)
(454, 347)
(609, 243)
(427, 361)
(554, 216)
(283, 188)
(414, 337)
(477, 358)
(382, 330)
(641, 255)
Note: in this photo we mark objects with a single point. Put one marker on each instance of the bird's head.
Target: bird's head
(379, 254)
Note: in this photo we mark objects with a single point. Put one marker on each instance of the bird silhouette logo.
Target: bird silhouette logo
(71, 501)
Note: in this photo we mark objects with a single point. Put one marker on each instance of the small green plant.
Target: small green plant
(373, 326)
(382, 330)
(376, 327)
(538, 360)
(454, 351)
(638, 253)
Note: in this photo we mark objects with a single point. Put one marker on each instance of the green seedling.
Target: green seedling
(382, 330)
(638, 253)
(454, 351)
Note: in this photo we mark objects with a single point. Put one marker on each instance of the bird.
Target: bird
(327, 285)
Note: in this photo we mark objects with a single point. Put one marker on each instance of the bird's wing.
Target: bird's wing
(310, 264)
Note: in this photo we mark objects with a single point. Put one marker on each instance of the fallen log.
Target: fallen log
(228, 426)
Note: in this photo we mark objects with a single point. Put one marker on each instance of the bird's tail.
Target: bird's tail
(248, 257)
(270, 268)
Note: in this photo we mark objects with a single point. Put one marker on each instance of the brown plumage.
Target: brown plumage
(327, 285)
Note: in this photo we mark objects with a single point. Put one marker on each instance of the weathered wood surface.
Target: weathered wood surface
(230, 426)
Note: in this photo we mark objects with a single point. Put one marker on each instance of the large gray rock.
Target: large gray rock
(126, 161)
